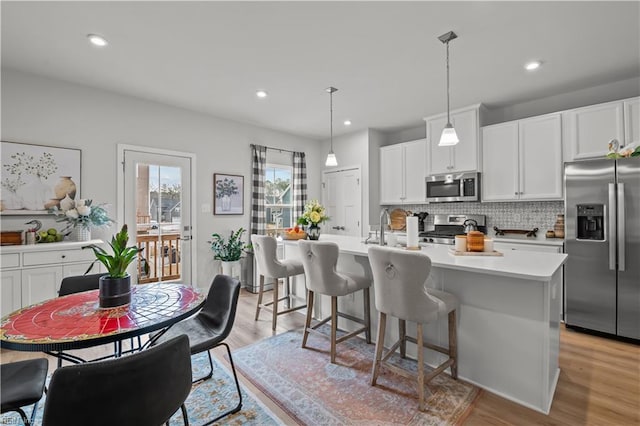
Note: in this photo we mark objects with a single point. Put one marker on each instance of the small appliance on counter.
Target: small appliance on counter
(447, 226)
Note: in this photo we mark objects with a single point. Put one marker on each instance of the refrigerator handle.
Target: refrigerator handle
(612, 226)
(621, 227)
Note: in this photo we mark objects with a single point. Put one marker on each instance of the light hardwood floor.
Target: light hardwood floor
(599, 381)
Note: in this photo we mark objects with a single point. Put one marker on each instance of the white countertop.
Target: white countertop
(519, 264)
(540, 239)
(63, 245)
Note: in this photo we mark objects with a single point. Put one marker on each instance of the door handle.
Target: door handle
(338, 228)
(612, 226)
(621, 227)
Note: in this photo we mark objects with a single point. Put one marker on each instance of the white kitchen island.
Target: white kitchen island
(508, 321)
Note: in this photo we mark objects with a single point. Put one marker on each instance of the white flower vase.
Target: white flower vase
(231, 269)
(11, 200)
(81, 233)
(36, 194)
(226, 203)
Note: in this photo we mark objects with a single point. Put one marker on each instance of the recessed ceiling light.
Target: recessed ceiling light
(347, 122)
(261, 94)
(97, 40)
(533, 65)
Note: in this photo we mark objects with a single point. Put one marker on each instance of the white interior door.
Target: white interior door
(342, 197)
(158, 209)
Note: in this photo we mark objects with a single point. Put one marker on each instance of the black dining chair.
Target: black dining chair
(22, 384)
(79, 283)
(142, 389)
(211, 326)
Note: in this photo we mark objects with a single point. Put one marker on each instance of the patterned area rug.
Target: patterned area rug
(315, 392)
(206, 401)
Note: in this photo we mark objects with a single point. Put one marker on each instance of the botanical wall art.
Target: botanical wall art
(35, 178)
(228, 194)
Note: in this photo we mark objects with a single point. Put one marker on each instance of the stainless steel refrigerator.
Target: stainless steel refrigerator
(602, 239)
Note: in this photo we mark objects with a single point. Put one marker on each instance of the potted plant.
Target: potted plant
(115, 287)
(314, 214)
(229, 252)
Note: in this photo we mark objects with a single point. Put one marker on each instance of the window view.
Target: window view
(278, 197)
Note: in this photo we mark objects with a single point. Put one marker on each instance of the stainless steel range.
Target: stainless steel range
(447, 226)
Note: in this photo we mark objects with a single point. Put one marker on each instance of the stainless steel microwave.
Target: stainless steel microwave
(463, 186)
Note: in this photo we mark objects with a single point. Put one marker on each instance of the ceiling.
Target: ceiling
(384, 57)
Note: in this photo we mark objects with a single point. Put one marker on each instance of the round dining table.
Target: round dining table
(77, 322)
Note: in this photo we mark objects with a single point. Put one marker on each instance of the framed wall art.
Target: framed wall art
(35, 178)
(228, 194)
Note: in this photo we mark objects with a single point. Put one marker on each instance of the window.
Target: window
(278, 197)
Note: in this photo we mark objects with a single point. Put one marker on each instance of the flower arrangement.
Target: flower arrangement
(616, 151)
(81, 213)
(314, 214)
(230, 250)
(227, 187)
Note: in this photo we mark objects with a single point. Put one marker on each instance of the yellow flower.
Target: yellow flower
(315, 217)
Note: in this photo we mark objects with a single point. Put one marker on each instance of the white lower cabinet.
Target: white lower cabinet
(33, 273)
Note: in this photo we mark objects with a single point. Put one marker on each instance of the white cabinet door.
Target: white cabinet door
(40, 284)
(439, 158)
(541, 158)
(414, 171)
(391, 174)
(589, 130)
(500, 162)
(11, 293)
(465, 153)
(632, 121)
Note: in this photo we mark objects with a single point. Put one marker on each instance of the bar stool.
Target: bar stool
(265, 250)
(319, 259)
(399, 279)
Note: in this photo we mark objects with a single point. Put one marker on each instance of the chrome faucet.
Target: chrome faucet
(384, 222)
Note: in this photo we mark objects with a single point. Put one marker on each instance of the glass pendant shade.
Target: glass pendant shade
(331, 160)
(449, 136)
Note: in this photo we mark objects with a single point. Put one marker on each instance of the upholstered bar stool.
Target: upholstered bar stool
(265, 250)
(399, 279)
(319, 259)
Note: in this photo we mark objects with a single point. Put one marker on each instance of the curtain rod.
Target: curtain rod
(280, 149)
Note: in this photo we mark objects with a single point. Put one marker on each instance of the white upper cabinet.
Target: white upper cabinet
(402, 173)
(632, 121)
(522, 160)
(589, 129)
(461, 157)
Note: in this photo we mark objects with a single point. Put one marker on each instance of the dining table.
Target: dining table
(77, 322)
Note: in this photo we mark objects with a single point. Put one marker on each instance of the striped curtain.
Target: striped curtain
(259, 162)
(299, 184)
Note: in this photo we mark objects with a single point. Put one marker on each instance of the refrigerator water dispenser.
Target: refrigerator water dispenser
(590, 222)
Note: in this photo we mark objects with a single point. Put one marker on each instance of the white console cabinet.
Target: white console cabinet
(32, 273)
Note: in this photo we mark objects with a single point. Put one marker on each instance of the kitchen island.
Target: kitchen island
(508, 321)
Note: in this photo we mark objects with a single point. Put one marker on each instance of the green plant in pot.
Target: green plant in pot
(229, 252)
(115, 287)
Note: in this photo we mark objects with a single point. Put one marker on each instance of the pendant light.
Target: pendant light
(331, 158)
(449, 136)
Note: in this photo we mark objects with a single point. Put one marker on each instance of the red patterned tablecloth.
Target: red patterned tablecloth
(75, 321)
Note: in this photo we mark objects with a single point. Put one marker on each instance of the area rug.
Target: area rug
(206, 401)
(313, 391)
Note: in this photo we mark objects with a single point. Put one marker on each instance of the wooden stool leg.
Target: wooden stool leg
(334, 327)
(287, 293)
(274, 321)
(307, 324)
(367, 315)
(402, 328)
(260, 291)
(382, 324)
(453, 344)
(421, 406)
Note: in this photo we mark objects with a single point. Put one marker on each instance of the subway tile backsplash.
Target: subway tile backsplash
(520, 215)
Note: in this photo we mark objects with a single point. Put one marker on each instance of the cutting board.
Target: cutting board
(475, 253)
(398, 219)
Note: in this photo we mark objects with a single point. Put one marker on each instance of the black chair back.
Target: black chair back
(219, 311)
(78, 283)
(143, 389)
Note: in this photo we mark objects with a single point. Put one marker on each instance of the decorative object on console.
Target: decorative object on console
(314, 214)
(331, 157)
(531, 233)
(228, 194)
(449, 136)
(35, 177)
(81, 216)
(115, 288)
